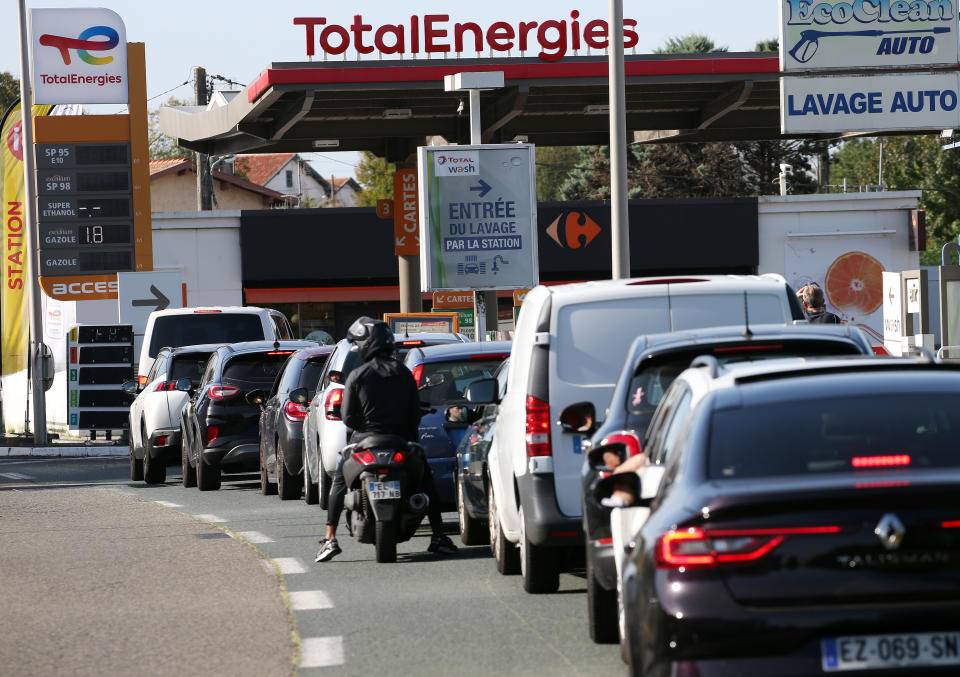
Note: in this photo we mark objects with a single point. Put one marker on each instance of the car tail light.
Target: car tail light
(887, 461)
(399, 457)
(694, 547)
(331, 408)
(212, 432)
(364, 457)
(538, 427)
(162, 441)
(747, 348)
(604, 541)
(207, 310)
(222, 392)
(295, 412)
(954, 524)
(627, 438)
(417, 374)
(142, 380)
(410, 343)
(166, 386)
(280, 352)
(490, 356)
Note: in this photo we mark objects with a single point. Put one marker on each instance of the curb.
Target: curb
(65, 451)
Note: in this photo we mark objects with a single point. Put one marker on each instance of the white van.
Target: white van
(179, 327)
(569, 345)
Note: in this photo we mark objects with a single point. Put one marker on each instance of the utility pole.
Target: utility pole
(30, 225)
(619, 206)
(204, 176)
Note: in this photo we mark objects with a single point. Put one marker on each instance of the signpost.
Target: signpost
(406, 323)
(139, 294)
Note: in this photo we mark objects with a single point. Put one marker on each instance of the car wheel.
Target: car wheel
(538, 565)
(472, 531)
(323, 482)
(288, 486)
(189, 472)
(208, 476)
(504, 552)
(311, 492)
(136, 465)
(602, 616)
(154, 470)
(267, 488)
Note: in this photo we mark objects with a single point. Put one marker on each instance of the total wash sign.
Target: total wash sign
(79, 56)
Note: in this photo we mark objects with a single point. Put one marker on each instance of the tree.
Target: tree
(771, 45)
(590, 177)
(163, 147)
(9, 91)
(554, 164)
(375, 175)
(694, 43)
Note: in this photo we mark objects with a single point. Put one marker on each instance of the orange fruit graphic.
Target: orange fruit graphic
(854, 284)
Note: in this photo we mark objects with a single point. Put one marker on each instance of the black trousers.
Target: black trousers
(338, 491)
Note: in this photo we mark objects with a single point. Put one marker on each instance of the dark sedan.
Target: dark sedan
(806, 523)
(651, 365)
(281, 425)
(442, 373)
(220, 428)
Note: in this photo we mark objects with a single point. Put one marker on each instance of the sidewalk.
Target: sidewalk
(66, 450)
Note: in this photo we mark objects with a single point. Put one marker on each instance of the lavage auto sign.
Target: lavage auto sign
(79, 56)
(827, 34)
(550, 40)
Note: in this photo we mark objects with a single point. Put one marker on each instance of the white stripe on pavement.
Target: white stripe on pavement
(321, 652)
(290, 565)
(168, 504)
(15, 476)
(210, 518)
(307, 600)
(255, 537)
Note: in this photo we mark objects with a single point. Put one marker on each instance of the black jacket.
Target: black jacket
(823, 317)
(381, 397)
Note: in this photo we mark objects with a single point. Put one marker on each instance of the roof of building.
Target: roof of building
(261, 167)
(161, 168)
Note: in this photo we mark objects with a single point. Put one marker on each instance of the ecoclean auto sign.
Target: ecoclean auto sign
(79, 56)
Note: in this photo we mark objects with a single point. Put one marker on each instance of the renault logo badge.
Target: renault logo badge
(890, 531)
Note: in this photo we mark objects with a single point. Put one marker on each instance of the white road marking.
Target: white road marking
(307, 600)
(15, 476)
(210, 518)
(290, 565)
(255, 537)
(168, 504)
(321, 652)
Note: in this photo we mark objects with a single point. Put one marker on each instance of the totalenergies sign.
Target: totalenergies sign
(436, 34)
(79, 56)
(832, 34)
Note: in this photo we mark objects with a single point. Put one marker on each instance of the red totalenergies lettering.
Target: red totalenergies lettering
(13, 225)
(433, 34)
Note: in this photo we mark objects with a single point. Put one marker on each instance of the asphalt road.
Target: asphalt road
(168, 591)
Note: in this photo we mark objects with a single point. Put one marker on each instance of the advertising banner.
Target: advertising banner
(834, 34)
(14, 311)
(79, 56)
(478, 216)
(889, 102)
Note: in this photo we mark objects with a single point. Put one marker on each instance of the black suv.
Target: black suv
(220, 428)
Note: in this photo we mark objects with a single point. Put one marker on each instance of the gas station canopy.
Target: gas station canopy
(390, 107)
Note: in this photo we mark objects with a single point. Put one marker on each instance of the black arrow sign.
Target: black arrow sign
(159, 302)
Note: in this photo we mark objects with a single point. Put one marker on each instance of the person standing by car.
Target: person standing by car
(379, 397)
(814, 305)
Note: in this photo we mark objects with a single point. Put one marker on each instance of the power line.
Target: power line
(185, 82)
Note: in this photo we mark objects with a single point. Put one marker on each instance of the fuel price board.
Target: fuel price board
(85, 208)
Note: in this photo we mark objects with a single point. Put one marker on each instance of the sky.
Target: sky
(238, 39)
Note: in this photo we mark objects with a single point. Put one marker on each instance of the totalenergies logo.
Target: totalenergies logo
(84, 45)
(15, 140)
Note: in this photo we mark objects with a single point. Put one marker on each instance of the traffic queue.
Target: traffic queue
(747, 490)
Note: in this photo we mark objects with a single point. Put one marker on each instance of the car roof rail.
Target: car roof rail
(708, 361)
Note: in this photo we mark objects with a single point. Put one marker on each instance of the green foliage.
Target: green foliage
(693, 43)
(9, 91)
(163, 147)
(375, 175)
(554, 164)
(771, 45)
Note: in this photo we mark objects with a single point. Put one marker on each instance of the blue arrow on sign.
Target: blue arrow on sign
(483, 188)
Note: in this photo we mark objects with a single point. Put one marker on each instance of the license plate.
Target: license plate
(382, 490)
(890, 651)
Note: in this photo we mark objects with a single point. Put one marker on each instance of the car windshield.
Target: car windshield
(194, 329)
(188, 366)
(452, 379)
(835, 435)
(310, 374)
(655, 375)
(255, 367)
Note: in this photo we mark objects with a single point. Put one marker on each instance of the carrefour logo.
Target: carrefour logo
(84, 45)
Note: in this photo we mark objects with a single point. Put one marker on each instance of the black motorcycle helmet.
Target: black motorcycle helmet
(371, 337)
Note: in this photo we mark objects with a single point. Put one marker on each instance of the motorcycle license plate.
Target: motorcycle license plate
(901, 650)
(382, 490)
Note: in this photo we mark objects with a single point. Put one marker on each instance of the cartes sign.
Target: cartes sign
(478, 215)
(406, 229)
(79, 56)
(831, 34)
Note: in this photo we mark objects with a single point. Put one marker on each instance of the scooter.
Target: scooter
(384, 501)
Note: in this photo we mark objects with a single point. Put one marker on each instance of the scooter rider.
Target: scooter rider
(379, 397)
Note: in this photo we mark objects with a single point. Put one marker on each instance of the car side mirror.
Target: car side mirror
(131, 387)
(457, 414)
(300, 396)
(579, 418)
(482, 391)
(185, 385)
(257, 397)
(433, 381)
(623, 487)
